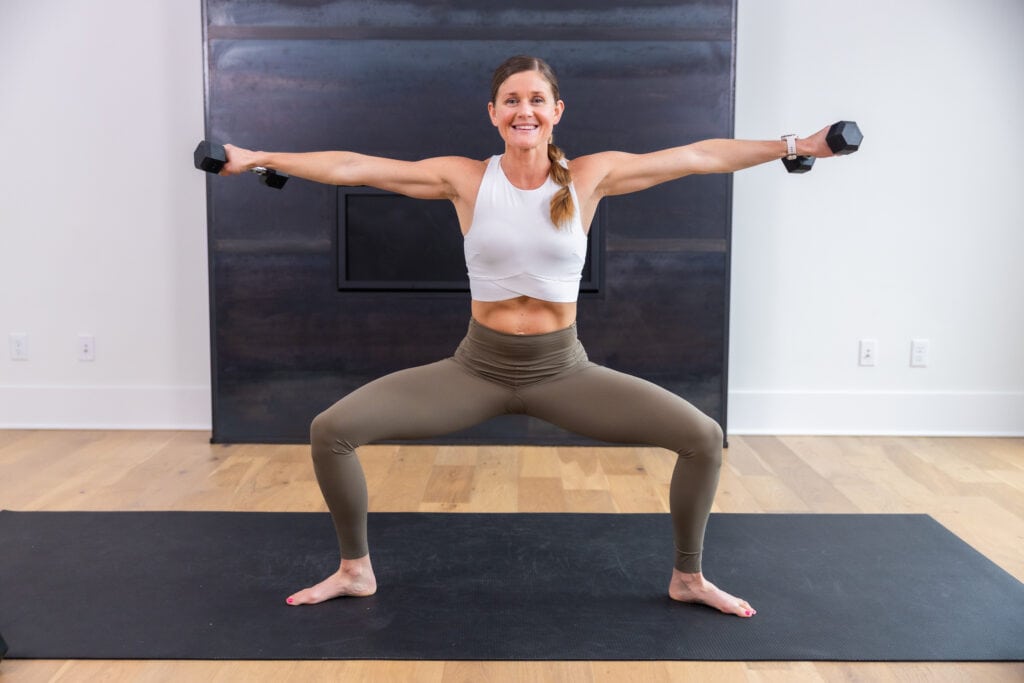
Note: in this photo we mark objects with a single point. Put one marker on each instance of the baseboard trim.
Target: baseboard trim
(893, 413)
(750, 412)
(105, 407)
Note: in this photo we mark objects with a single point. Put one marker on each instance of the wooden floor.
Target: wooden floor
(975, 487)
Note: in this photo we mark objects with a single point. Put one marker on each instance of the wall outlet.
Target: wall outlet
(918, 353)
(868, 352)
(19, 346)
(86, 347)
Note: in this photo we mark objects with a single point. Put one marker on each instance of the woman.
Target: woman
(524, 215)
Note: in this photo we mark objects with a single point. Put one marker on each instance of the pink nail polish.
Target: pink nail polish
(290, 601)
(749, 613)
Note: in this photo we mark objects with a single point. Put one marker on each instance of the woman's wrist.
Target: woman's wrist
(261, 160)
(789, 146)
(793, 146)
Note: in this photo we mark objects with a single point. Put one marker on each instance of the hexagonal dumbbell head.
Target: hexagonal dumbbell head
(798, 164)
(270, 177)
(844, 137)
(209, 157)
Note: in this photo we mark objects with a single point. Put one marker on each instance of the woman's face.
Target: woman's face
(525, 111)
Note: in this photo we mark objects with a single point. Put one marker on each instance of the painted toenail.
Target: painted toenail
(291, 601)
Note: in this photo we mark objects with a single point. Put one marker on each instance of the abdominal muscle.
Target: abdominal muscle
(524, 315)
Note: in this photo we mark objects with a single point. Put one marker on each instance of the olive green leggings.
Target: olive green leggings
(546, 376)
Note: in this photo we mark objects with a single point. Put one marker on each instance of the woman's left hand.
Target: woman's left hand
(815, 145)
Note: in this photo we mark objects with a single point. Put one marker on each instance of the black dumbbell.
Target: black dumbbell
(844, 137)
(211, 158)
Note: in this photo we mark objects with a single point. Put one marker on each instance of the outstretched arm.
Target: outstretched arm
(437, 178)
(621, 173)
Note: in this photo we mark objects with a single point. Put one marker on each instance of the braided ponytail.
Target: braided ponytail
(562, 206)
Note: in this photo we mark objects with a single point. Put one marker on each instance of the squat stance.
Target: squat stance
(524, 215)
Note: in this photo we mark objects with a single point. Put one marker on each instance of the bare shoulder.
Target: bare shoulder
(463, 174)
(459, 172)
(591, 163)
(457, 164)
(590, 171)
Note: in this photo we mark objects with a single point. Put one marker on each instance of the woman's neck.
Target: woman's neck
(527, 168)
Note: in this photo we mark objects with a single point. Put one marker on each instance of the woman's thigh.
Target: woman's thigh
(612, 406)
(416, 403)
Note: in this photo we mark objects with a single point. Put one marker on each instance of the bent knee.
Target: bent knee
(329, 433)
(715, 438)
(705, 443)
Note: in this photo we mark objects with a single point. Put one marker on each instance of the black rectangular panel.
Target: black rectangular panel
(387, 242)
(411, 80)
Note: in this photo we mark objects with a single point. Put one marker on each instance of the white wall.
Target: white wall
(102, 215)
(918, 235)
(103, 218)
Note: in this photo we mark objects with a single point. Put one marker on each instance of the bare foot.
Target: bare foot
(354, 578)
(695, 588)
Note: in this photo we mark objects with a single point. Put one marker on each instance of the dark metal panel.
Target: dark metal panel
(411, 80)
(699, 20)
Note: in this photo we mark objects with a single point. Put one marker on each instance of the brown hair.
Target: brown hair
(562, 207)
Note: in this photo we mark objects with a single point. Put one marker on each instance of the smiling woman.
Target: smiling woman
(525, 107)
(524, 74)
(525, 215)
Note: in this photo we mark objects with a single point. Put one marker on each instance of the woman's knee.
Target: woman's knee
(715, 440)
(705, 443)
(330, 432)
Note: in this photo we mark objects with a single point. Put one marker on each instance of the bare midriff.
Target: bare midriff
(524, 315)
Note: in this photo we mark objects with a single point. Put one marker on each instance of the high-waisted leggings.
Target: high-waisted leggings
(546, 376)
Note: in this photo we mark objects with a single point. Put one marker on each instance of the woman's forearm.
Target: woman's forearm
(727, 156)
(333, 168)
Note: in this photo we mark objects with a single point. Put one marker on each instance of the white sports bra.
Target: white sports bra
(513, 249)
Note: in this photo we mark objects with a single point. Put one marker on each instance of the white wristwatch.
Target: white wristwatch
(790, 139)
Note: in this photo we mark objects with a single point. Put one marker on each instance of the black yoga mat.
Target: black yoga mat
(211, 585)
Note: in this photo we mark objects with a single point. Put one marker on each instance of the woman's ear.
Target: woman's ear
(559, 109)
(490, 112)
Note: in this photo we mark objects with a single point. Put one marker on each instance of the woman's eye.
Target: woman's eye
(511, 102)
(538, 100)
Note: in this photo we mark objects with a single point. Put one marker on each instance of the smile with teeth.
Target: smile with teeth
(525, 126)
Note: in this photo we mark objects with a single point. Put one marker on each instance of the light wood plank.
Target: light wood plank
(449, 484)
(496, 488)
(580, 470)
(814, 490)
(541, 494)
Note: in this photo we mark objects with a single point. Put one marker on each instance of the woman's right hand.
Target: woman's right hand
(239, 160)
